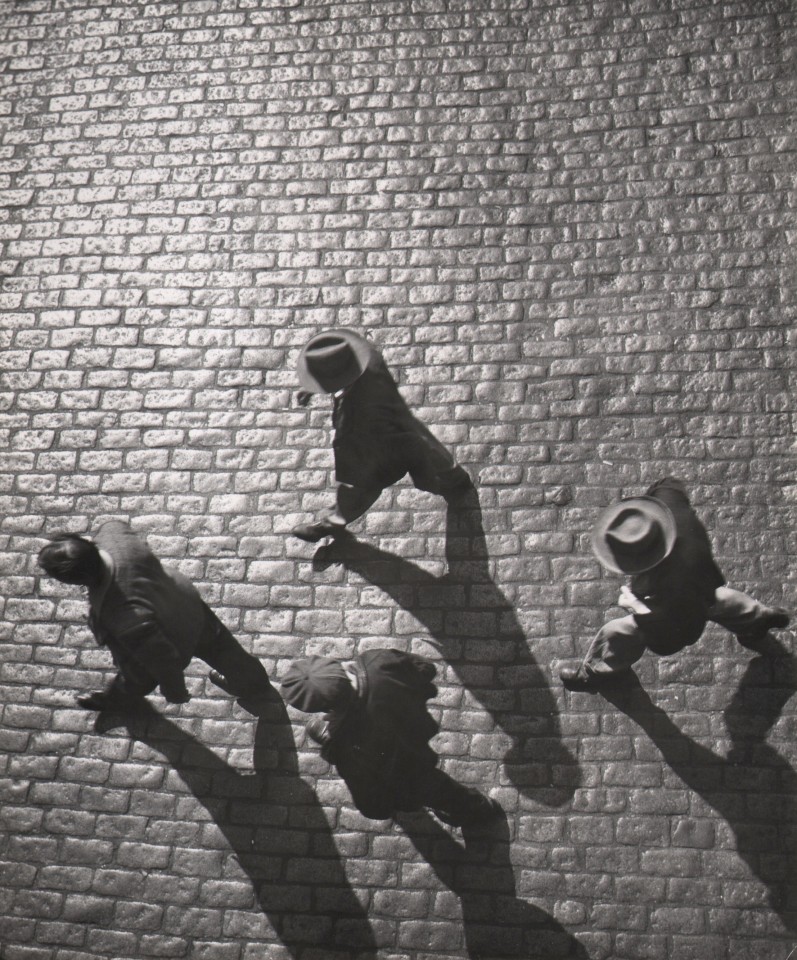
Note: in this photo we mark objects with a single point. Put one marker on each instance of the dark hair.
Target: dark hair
(71, 559)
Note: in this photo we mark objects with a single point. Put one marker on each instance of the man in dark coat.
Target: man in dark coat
(153, 621)
(377, 438)
(376, 733)
(676, 586)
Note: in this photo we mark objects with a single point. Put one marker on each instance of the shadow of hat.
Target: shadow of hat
(634, 535)
(332, 360)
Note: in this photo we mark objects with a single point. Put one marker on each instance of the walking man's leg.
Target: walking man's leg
(234, 670)
(121, 694)
(455, 803)
(745, 616)
(351, 503)
(434, 468)
(616, 647)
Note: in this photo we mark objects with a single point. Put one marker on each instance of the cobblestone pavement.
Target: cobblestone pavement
(567, 225)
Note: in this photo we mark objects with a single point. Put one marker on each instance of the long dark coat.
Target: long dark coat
(680, 590)
(378, 439)
(380, 745)
(149, 618)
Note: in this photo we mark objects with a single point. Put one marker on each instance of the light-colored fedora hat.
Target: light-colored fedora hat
(332, 360)
(634, 535)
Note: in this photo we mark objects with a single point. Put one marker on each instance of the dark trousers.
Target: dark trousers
(430, 466)
(620, 643)
(451, 801)
(220, 651)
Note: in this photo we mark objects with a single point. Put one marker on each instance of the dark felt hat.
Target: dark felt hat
(634, 535)
(332, 360)
(316, 683)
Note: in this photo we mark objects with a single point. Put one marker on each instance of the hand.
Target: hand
(303, 397)
(628, 601)
(318, 730)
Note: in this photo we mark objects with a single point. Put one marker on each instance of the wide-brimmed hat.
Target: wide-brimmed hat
(634, 535)
(316, 683)
(332, 360)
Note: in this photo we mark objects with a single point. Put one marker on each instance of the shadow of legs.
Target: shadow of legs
(478, 634)
(275, 827)
(754, 789)
(496, 923)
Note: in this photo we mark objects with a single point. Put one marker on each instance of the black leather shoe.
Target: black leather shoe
(313, 532)
(256, 692)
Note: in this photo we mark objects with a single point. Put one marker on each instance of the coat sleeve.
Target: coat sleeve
(667, 483)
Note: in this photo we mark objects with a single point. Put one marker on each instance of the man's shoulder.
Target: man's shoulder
(397, 663)
(114, 533)
(375, 380)
(668, 489)
(672, 493)
(125, 546)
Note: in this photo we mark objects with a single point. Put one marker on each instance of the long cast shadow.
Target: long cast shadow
(276, 828)
(477, 632)
(753, 788)
(496, 923)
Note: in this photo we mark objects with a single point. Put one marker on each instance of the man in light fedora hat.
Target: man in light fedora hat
(377, 438)
(676, 587)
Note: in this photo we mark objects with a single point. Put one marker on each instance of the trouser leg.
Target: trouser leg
(123, 688)
(352, 502)
(617, 645)
(221, 651)
(434, 468)
(453, 802)
(744, 616)
(122, 693)
(736, 611)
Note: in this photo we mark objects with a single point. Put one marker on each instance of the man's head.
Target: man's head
(634, 535)
(317, 684)
(332, 361)
(72, 559)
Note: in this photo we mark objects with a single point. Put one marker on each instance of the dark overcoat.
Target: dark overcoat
(680, 590)
(380, 745)
(149, 618)
(378, 439)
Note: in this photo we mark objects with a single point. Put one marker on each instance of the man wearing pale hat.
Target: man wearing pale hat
(152, 620)
(376, 733)
(377, 438)
(676, 587)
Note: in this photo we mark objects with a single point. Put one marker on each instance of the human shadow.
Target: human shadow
(478, 633)
(496, 923)
(753, 787)
(276, 828)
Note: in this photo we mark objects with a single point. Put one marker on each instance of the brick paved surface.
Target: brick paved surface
(567, 225)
